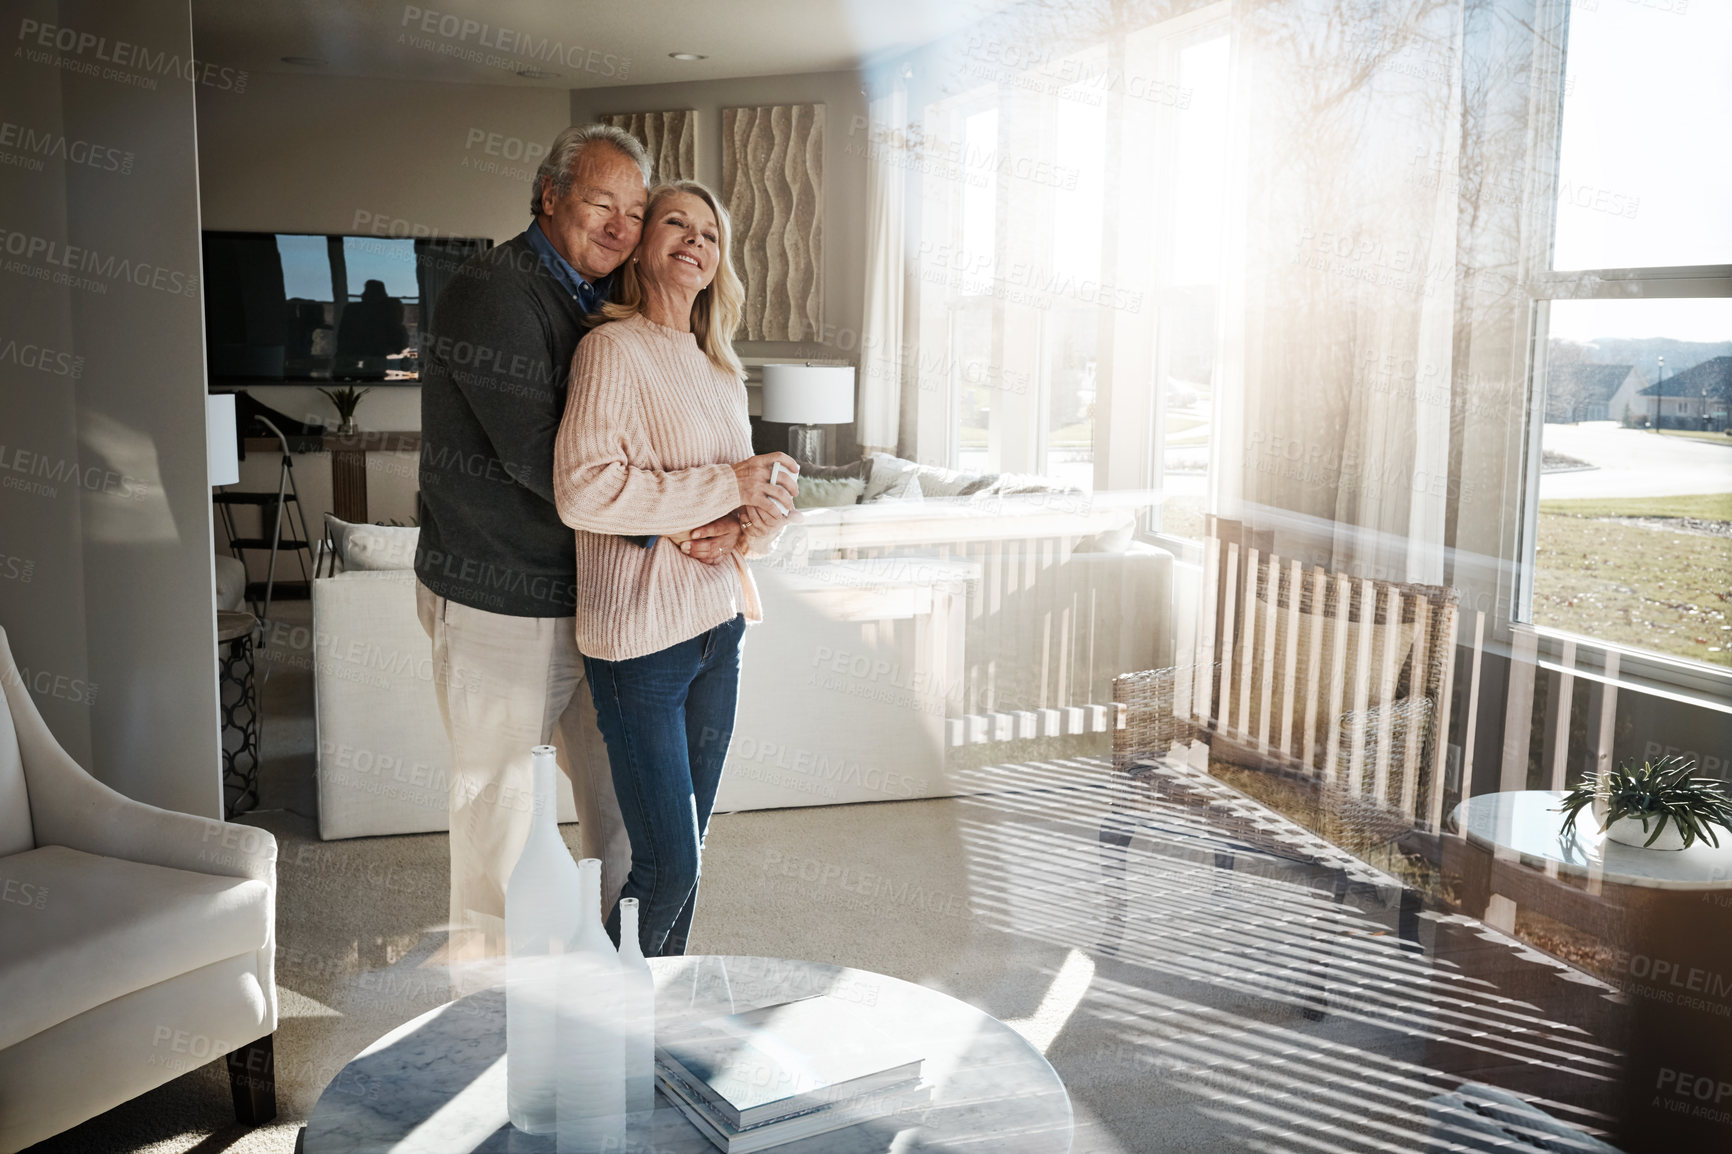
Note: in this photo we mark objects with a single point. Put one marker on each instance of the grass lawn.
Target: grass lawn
(1699, 435)
(1650, 588)
(1704, 506)
(1077, 435)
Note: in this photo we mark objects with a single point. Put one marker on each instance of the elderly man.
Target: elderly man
(496, 567)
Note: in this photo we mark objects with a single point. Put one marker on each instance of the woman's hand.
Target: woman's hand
(758, 494)
(754, 522)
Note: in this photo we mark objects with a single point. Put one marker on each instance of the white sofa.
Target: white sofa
(893, 633)
(384, 762)
(136, 943)
(1066, 598)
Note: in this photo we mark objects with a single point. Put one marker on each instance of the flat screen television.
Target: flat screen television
(292, 308)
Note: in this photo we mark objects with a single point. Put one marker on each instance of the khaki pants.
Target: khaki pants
(506, 684)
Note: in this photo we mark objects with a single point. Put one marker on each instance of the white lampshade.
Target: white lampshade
(809, 394)
(221, 453)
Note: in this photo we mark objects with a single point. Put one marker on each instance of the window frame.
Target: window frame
(1173, 37)
(1694, 682)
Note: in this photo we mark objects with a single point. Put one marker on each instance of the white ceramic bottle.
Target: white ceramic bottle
(637, 1018)
(591, 1077)
(541, 906)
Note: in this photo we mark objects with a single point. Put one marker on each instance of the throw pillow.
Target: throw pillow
(885, 472)
(905, 488)
(861, 470)
(1011, 484)
(940, 482)
(359, 546)
(1115, 540)
(823, 492)
(980, 484)
(382, 547)
(1309, 624)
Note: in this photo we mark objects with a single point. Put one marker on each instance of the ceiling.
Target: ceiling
(570, 43)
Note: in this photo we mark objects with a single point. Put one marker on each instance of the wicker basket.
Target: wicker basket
(1151, 724)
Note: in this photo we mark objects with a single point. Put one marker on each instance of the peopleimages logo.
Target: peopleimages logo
(46, 258)
(59, 686)
(456, 34)
(85, 53)
(36, 472)
(55, 362)
(34, 144)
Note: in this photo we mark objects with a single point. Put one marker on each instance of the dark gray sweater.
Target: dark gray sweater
(493, 381)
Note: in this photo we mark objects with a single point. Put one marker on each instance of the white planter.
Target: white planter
(1630, 831)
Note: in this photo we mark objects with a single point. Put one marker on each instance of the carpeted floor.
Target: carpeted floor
(1195, 995)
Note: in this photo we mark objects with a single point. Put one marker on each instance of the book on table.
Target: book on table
(821, 1059)
(868, 1107)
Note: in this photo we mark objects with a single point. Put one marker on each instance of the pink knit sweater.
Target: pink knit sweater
(651, 431)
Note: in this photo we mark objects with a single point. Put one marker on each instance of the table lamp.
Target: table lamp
(807, 396)
(221, 450)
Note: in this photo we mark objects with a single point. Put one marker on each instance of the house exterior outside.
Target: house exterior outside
(1590, 392)
(1697, 398)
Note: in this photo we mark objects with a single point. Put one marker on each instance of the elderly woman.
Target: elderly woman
(655, 439)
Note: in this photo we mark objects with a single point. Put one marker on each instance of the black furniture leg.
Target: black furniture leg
(1407, 925)
(1316, 1003)
(1115, 839)
(253, 1079)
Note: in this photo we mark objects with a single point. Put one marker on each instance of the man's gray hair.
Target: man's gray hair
(567, 150)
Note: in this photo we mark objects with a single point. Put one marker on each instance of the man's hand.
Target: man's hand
(712, 543)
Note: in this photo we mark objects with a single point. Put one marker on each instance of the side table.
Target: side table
(1668, 916)
(436, 1085)
(237, 695)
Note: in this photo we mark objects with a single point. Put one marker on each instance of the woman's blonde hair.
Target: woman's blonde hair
(717, 310)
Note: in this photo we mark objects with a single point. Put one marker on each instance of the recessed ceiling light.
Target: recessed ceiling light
(306, 61)
(536, 74)
(687, 56)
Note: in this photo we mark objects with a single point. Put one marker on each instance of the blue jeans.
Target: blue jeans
(667, 718)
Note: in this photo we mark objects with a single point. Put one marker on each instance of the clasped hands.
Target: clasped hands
(768, 495)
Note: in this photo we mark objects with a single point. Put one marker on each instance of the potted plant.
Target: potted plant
(346, 399)
(1659, 805)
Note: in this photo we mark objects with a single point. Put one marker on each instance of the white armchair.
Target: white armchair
(136, 943)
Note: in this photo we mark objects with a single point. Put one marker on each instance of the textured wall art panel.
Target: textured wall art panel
(773, 183)
(671, 137)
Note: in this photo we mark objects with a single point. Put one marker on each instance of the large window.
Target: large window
(1070, 257)
(1190, 187)
(1629, 511)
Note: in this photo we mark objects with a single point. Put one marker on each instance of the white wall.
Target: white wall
(845, 193)
(105, 585)
(326, 154)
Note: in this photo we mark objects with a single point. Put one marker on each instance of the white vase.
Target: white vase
(591, 1079)
(637, 1018)
(541, 903)
(1630, 831)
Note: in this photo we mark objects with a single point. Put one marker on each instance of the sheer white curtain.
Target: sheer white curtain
(1350, 281)
(879, 395)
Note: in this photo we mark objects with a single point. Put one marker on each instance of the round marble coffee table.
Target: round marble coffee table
(436, 1085)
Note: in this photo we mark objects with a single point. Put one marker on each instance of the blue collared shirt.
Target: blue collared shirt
(589, 297)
